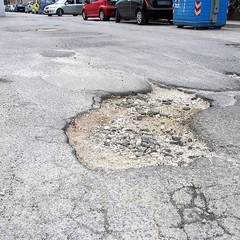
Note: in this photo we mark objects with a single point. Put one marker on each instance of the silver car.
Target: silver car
(28, 7)
(73, 7)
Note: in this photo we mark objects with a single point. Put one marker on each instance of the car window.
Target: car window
(49, 2)
(79, 2)
(70, 1)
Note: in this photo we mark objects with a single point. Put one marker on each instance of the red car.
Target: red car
(104, 9)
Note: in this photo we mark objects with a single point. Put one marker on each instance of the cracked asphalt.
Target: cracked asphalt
(53, 69)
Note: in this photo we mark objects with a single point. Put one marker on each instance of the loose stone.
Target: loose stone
(139, 154)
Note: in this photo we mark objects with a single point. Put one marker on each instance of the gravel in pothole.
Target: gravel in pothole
(139, 131)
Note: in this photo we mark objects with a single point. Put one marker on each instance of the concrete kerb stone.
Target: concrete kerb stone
(233, 24)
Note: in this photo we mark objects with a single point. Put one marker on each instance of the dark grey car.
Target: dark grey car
(144, 10)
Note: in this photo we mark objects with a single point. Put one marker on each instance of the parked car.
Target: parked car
(61, 7)
(7, 8)
(20, 7)
(28, 7)
(43, 4)
(144, 10)
(104, 9)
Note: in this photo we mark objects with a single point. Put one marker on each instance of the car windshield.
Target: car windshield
(112, 1)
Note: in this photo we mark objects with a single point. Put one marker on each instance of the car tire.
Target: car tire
(170, 21)
(102, 16)
(117, 17)
(75, 15)
(49, 15)
(140, 18)
(59, 12)
(84, 15)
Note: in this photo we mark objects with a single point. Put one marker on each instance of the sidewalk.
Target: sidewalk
(233, 24)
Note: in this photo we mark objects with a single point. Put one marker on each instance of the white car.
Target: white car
(28, 7)
(73, 7)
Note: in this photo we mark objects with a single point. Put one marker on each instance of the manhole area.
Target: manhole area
(139, 131)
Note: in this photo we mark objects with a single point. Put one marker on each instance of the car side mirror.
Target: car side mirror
(66, 3)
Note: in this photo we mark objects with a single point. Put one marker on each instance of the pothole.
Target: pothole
(139, 131)
(233, 74)
(237, 45)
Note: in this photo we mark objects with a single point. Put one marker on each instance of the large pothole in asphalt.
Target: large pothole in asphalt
(138, 131)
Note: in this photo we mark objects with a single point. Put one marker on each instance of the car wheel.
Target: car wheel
(102, 16)
(49, 15)
(179, 26)
(141, 20)
(170, 21)
(117, 17)
(84, 15)
(59, 12)
(75, 15)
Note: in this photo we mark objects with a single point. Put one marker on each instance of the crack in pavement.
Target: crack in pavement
(192, 207)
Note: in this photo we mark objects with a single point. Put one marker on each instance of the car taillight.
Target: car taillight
(148, 3)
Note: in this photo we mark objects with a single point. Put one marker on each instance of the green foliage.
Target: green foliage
(235, 5)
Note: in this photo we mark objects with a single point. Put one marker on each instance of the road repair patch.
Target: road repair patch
(139, 131)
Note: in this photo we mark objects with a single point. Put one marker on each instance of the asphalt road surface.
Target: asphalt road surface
(52, 69)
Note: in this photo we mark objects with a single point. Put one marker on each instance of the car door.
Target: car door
(68, 8)
(124, 8)
(78, 6)
(95, 7)
(134, 5)
(88, 8)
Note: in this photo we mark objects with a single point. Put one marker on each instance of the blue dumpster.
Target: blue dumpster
(200, 13)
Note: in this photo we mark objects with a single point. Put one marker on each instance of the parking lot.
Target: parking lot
(53, 69)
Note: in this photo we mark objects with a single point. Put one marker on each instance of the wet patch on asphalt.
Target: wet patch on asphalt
(60, 54)
(3, 80)
(139, 131)
(46, 29)
(16, 29)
